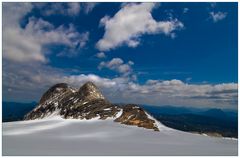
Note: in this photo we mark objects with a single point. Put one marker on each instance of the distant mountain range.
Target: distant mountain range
(215, 122)
(12, 111)
(174, 110)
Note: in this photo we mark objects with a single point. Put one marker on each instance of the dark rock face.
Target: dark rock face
(134, 115)
(53, 91)
(90, 92)
(50, 101)
(87, 103)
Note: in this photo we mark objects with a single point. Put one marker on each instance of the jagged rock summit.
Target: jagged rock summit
(88, 103)
(90, 91)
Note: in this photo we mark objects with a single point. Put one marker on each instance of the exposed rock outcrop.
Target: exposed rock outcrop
(88, 103)
(134, 115)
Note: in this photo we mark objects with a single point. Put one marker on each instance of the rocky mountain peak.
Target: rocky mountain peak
(53, 91)
(90, 91)
(88, 103)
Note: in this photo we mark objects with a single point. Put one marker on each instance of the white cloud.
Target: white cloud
(118, 65)
(101, 55)
(133, 43)
(47, 33)
(177, 92)
(113, 63)
(65, 9)
(79, 41)
(104, 20)
(22, 80)
(73, 8)
(15, 45)
(26, 44)
(217, 16)
(185, 10)
(88, 7)
(58, 8)
(132, 21)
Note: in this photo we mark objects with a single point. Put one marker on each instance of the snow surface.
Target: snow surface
(119, 113)
(56, 136)
(158, 124)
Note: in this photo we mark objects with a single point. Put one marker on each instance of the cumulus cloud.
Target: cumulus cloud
(101, 55)
(217, 16)
(21, 80)
(26, 44)
(24, 66)
(132, 21)
(15, 46)
(48, 34)
(118, 65)
(178, 92)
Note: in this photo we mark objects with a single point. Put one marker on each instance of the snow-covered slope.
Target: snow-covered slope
(57, 136)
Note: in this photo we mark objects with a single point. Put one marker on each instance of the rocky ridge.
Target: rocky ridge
(88, 103)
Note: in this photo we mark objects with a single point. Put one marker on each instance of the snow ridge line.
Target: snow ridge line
(157, 123)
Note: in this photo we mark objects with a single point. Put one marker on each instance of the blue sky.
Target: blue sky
(150, 53)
